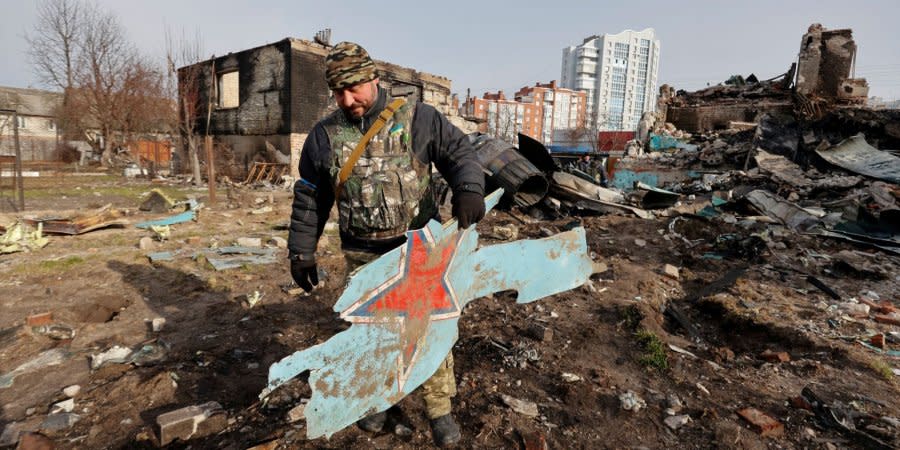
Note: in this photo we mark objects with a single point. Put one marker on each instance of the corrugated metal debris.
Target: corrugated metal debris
(856, 155)
(104, 217)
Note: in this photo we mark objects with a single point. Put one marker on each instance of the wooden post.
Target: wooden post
(211, 169)
(19, 183)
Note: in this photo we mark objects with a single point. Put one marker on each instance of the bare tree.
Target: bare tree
(53, 48)
(183, 86)
(111, 92)
(107, 60)
(53, 43)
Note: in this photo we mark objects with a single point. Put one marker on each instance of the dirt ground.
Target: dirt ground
(734, 303)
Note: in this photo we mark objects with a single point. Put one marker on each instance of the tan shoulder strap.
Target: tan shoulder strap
(357, 152)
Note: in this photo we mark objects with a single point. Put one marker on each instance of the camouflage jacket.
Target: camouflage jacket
(388, 190)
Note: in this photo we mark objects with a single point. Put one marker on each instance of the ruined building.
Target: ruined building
(274, 94)
(820, 80)
(826, 66)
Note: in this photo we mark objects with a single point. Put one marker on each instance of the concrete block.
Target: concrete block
(146, 243)
(11, 433)
(278, 241)
(191, 422)
(249, 242)
(58, 422)
(671, 271)
(296, 413)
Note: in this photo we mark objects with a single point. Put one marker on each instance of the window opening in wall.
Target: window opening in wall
(229, 94)
(20, 121)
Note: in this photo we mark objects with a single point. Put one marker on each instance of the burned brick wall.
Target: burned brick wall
(698, 119)
(262, 97)
(825, 65)
(276, 93)
(310, 96)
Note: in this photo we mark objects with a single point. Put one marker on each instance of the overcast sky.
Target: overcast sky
(492, 45)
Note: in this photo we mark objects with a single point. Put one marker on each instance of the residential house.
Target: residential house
(36, 112)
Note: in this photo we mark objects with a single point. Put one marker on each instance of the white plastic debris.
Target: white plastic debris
(157, 324)
(676, 422)
(117, 354)
(631, 401)
(71, 391)
(570, 377)
(64, 406)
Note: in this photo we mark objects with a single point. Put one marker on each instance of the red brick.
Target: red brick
(35, 441)
(534, 441)
(877, 340)
(893, 318)
(36, 320)
(761, 422)
(885, 307)
(801, 403)
(775, 357)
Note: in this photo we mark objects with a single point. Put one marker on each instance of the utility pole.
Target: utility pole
(210, 162)
(19, 185)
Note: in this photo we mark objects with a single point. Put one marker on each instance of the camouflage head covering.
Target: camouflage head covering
(348, 64)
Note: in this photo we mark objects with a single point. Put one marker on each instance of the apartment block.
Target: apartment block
(559, 109)
(535, 111)
(618, 73)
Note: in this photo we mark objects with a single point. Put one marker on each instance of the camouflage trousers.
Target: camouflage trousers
(441, 387)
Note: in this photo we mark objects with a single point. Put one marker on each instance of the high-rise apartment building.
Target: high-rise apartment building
(618, 72)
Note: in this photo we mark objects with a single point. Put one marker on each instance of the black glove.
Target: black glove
(305, 273)
(468, 207)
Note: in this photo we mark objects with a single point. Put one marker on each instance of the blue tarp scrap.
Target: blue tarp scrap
(660, 142)
(187, 216)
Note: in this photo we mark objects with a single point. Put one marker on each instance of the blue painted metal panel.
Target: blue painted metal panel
(624, 179)
(570, 149)
(404, 308)
(186, 216)
(663, 142)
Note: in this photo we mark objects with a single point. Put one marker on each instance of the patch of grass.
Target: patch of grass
(654, 352)
(61, 264)
(883, 369)
(115, 189)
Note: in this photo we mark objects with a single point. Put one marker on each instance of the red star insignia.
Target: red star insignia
(417, 294)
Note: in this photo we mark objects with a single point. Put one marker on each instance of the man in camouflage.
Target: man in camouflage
(387, 192)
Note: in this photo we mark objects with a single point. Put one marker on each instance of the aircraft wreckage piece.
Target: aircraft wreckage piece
(404, 308)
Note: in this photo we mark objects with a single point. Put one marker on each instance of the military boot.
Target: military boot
(373, 423)
(445, 431)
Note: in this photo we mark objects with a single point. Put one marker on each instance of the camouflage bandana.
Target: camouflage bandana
(348, 64)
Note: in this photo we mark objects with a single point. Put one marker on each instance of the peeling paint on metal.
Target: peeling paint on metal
(404, 308)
